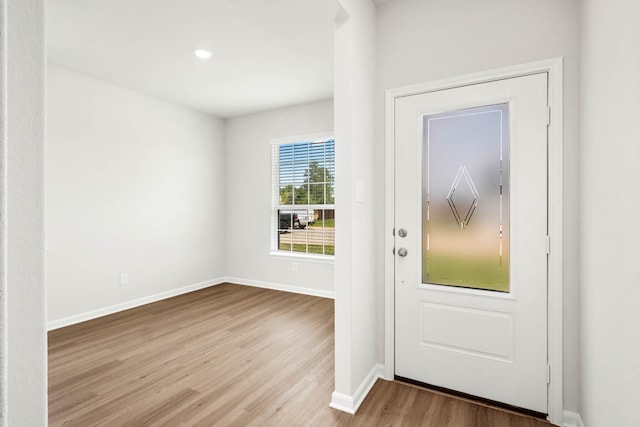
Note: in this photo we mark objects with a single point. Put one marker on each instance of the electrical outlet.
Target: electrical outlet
(124, 279)
(294, 266)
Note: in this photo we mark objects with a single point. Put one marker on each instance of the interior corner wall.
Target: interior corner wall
(134, 185)
(356, 311)
(26, 343)
(248, 201)
(421, 41)
(610, 231)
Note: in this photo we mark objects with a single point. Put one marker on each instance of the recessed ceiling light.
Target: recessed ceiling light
(202, 53)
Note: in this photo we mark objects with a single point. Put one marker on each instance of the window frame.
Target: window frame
(274, 155)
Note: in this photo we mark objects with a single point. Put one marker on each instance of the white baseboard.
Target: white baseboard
(571, 419)
(94, 314)
(350, 404)
(280, 287)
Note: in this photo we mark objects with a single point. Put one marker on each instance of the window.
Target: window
(303, 173)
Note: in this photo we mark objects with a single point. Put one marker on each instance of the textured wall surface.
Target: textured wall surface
(27, 340)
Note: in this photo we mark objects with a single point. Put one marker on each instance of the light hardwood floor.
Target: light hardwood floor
(228, 355)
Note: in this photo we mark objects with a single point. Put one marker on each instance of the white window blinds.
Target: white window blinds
(303, 191)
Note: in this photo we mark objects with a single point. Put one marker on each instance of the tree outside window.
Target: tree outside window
(304, 192)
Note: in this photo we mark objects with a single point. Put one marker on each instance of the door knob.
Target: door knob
(402, 232)
(402, 252)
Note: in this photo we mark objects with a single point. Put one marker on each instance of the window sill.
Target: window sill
(289, 256)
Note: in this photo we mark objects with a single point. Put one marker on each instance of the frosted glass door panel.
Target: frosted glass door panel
(465, 193)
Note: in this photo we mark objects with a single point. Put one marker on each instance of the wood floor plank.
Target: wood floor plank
(228, 355)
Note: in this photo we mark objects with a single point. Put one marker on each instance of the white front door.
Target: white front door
(471, 240)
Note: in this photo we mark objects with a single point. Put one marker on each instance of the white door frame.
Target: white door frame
(554, 68)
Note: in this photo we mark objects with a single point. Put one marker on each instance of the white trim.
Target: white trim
(105, 311)
(571, 419)
(302, 257)
(389, 237)
(556, 230)
(350, 404)
(3, 216)
(342, 402)
(308, 137)
(280, 287)
(476, 78)
(554, 67)
(94, 314)
(274, 167)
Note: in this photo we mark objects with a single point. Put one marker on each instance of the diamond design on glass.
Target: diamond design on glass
(466, 198)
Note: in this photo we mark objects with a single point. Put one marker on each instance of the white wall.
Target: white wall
(356, 314)
(3, 216)
(26, 345)
(134, 184)
(420, 41)
(248, 199)
(610, 230)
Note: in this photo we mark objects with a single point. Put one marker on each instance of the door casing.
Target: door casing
(555, 211)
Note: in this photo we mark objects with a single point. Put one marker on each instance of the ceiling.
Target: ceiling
(266, 54)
